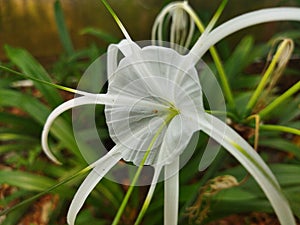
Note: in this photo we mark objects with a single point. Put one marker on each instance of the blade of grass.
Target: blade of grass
(62, 29)
(25, 180)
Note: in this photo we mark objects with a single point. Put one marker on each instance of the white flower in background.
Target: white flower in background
(181, 24)
(154, 105)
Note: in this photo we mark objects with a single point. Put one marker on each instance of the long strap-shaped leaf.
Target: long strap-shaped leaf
(28, 65)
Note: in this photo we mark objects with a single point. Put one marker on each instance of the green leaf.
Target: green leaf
(85, 217)
(25, 180)
(28, 65)
(13, 137)
(18, 122)
(100, 34)
(60, 129)
(239, 59)
(14, 217)
(14, 147)
(62, 29)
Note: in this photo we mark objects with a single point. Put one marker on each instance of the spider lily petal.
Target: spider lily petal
(248, 157)
(241, 22)
(101, 167)
(98, 99)
(90, 99)
(171, 193)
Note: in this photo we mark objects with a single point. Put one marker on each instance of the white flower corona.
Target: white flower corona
(159, 87)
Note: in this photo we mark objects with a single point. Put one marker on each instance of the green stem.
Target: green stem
(292, 90)
(265, 78)
(219, 65)
(81, 172)
(280, 128)
(137, 174)
(223, 78)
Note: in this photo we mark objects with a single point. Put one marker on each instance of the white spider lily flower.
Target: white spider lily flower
(153, 107)
(181, 23)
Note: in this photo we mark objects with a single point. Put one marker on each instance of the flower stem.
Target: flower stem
(117, 218)
(267, 74)
(292, 90)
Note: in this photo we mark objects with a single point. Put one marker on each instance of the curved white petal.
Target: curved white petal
(250, 159)
(125, 47)
(241, 22)
(157, 171)
(97, 99)
(171, 193)
(101, 167)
